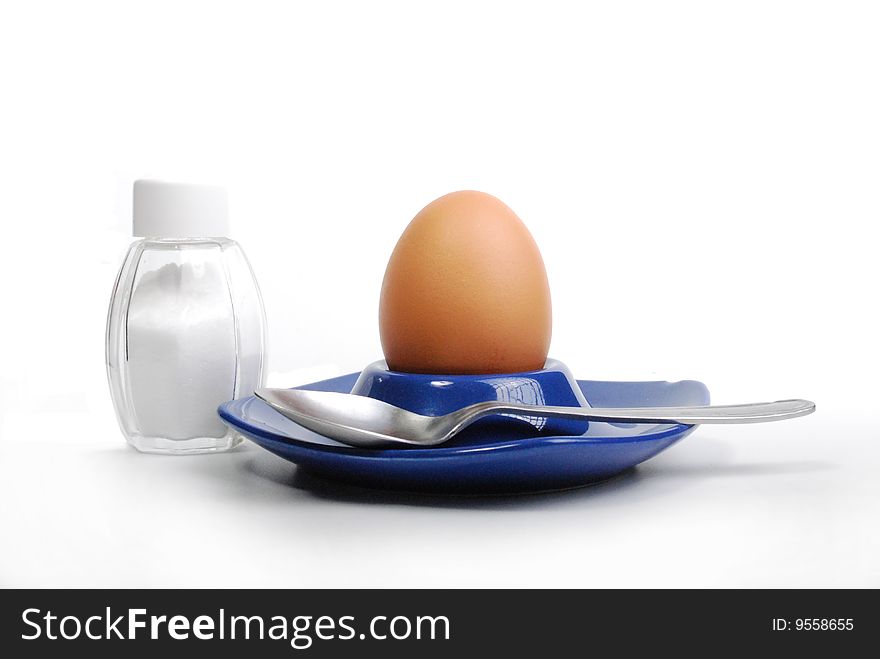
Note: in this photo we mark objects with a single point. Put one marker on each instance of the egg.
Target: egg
(465, 291)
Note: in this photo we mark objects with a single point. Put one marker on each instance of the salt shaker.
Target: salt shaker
(186, 329)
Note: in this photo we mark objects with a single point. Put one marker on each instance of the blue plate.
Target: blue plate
(491, 458)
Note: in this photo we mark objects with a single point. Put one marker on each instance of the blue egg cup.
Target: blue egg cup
(435, 395)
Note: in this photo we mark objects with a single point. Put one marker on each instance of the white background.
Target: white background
(702, 179)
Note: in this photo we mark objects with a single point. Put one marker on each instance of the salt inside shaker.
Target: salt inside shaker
(186, 328)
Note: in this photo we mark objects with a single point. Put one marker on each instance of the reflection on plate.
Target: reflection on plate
(491, 458)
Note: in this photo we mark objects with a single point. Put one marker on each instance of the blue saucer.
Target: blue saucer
(493, 458)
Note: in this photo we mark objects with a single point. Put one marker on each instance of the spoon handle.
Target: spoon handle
(745, 413)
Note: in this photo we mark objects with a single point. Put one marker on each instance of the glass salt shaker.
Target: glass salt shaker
(186, 328)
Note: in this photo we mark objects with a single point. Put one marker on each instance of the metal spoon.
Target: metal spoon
(366, 422)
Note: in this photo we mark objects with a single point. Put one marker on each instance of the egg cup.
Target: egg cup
(434, 395)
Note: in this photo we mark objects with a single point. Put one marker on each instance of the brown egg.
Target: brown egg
(465, 291)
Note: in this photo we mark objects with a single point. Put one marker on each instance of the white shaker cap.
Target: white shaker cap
(179, 210)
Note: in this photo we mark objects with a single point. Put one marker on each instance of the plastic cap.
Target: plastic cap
(179, 210)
